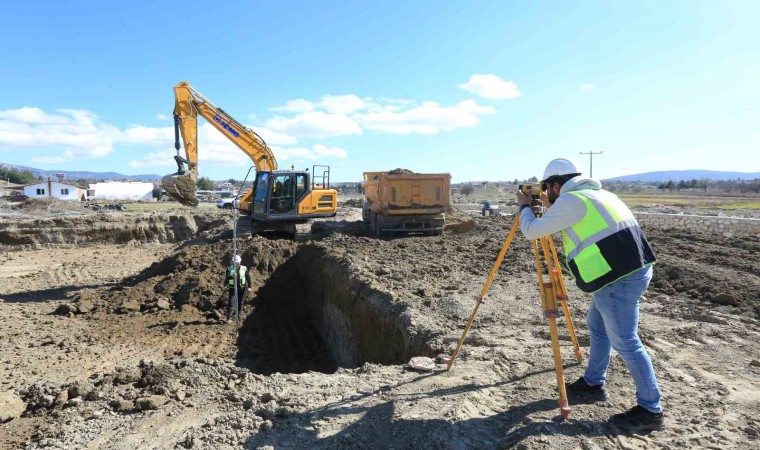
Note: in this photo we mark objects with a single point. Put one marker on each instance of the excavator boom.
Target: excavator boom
(189, 103)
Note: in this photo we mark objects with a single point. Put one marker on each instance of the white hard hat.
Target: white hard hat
(237, 259)
(560, 167)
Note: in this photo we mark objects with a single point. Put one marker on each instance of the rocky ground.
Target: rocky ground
(120, 345)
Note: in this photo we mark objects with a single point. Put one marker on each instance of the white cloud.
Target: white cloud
(318, 151)
(163, 117)
(338, 104)
(75, 133)
(298, 105)
(342, 104)
(490, 86)
(156, 159)
(341, 115)
(49, 159)
(428, 118)
(273, 137)
(32, 115)
(586, 87)
(315, 124)
(147, 136)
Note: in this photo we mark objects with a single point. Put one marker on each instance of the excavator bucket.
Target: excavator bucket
(181, 186)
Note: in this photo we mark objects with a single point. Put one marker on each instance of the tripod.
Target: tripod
(553, 296)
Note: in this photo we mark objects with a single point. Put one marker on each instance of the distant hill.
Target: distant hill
(76, 174)
(678, 175)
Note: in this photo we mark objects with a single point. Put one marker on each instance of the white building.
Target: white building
(54, 189)
(121, 190)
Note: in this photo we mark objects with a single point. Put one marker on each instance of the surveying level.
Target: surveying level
(532, 189)
(553, 292)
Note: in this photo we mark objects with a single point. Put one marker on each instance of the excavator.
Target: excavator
(279, 200)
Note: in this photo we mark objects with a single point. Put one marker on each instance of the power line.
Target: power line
(591, 162)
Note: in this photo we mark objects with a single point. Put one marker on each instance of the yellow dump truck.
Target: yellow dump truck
(401, 201)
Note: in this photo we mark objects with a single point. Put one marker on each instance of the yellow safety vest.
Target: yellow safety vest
(231, 275)
(606, 244)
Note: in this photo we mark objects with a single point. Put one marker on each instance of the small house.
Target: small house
(55, 189)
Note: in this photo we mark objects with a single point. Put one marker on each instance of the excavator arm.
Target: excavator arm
(189, 103)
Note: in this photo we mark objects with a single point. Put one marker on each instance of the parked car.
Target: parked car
(225, 203)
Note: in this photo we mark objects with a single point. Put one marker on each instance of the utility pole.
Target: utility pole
(591, 162)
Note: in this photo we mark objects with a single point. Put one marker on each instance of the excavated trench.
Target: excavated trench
(312, 315)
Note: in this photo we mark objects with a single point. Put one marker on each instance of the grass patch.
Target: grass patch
(693, 201)
(747, 205)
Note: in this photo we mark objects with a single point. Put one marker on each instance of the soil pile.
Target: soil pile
(193, 276)
(44, 207)
(709, 268)
(105, 228)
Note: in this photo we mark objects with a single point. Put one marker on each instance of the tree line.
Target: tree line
(17, 176)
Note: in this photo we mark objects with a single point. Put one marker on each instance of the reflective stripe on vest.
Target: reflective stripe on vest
(606, 244)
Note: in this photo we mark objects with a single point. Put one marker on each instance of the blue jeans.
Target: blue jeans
(613, 322)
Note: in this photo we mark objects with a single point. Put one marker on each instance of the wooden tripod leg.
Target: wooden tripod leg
(562, 297)
(549, 306)
(486, 287)
(564, 407)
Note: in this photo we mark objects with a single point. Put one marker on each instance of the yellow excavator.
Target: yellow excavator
(281, 200)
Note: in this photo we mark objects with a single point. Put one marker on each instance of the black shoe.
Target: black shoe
(585, 391)
(638, 419)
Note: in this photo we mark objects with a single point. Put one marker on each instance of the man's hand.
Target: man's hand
(545, 198)
(522, 199)
(249, 289)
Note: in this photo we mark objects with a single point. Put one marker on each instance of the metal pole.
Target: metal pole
(591, 162)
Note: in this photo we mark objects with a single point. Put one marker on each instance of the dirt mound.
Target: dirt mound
(44, 207)
(105, 228)
(352, 203)
(400, 171)
(713, 269)
(193, 276)
(457, 221)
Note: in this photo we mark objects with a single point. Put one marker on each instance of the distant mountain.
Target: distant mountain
(76, 174)
(678, 175)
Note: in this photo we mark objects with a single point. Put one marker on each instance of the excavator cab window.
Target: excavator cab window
(260, 192)
(283, 193)
(301, 183)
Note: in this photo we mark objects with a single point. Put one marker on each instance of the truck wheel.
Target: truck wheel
(227, 206)
(376, 225)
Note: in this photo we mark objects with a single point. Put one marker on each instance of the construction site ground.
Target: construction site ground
(120, 344)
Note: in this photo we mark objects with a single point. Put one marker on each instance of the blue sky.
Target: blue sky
(483, 90)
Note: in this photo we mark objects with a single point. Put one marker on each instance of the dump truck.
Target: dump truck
(401, 201)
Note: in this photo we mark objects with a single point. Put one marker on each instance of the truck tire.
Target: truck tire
(376, 229)
(227, 206)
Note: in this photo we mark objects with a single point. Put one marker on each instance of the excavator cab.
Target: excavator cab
(282, 198)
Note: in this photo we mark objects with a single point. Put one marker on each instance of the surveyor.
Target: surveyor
(609, 256)
(243, 287)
